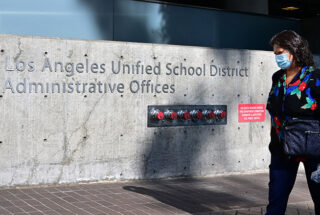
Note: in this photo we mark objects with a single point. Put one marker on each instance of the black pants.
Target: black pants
(283, 174)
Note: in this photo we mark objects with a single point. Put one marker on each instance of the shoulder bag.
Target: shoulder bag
(302, 138)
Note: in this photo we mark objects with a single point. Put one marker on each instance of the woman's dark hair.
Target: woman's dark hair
(296, 45)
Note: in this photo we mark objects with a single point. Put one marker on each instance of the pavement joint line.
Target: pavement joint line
(122, 181)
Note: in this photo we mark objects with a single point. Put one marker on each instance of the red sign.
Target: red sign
(251, 112)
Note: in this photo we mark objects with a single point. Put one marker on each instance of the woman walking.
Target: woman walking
(294, 94)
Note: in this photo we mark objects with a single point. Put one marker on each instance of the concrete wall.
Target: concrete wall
(67, 137)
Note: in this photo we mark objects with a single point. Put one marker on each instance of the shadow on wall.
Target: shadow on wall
(185, 151)
(169, 152)
(177, 151)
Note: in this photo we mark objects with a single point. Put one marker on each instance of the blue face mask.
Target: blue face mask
(283, 61)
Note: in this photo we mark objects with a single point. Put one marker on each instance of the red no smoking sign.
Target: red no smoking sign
(251, 112)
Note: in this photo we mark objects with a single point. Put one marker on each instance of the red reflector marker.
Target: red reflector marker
(223, 114)
(173, 115)
(160, 116)
(211, 115)
(186, 115)
(196, 114)
(170, 115)
(199, 115)
(157, 114)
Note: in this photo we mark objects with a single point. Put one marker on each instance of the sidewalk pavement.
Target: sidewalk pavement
(232, 194)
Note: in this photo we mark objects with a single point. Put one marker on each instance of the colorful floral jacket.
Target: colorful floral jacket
(297, 100)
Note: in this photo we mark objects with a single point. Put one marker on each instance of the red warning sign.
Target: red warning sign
(251, 112)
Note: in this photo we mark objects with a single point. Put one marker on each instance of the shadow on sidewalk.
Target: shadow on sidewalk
(193, 199)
